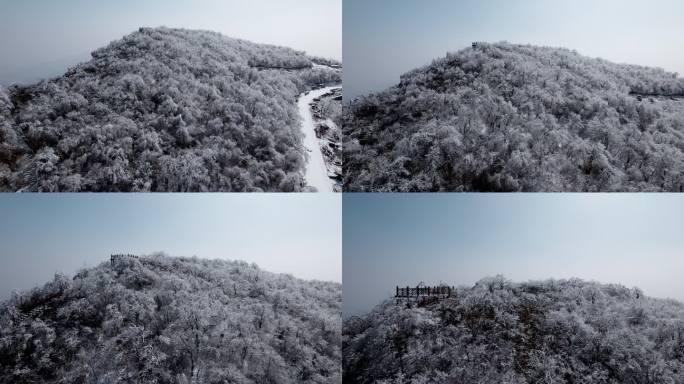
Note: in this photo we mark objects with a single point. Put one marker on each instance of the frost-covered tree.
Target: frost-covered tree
(163, 110)
(554, 331)
(504, 117)
(158, 319)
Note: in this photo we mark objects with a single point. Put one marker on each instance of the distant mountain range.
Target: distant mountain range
(505, 117)
(163, 110)
(554, 331)
(158, 319)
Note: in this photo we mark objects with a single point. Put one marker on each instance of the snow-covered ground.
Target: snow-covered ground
(316, 172)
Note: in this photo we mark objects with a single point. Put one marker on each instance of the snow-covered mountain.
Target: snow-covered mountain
(158, 319)
(163, 110)
(555, 331)
(504, 117)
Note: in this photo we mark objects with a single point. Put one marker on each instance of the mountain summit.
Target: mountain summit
(504, 117)
(158, 319)
(163, 110)
(554, 331)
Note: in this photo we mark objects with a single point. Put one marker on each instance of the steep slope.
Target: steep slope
(316, 170)
(504, 117)
(566, 331)
(163, 110)
(158, 319)
(328, 114)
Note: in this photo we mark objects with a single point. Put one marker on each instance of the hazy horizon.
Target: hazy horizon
(404, 239)
(40, 235)
(49, 37)
(383, 39)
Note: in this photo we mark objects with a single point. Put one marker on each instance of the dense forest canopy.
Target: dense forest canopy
(504, 117)
(555, 332)
(163, 110)
(158, 319)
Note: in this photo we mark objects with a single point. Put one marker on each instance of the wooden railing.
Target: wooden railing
(119, 256)
(444, 291)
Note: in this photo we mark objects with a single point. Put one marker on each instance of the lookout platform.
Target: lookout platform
(425, 291)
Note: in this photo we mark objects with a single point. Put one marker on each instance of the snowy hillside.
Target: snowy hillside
(556, 331)
(163, 110)
(329, 115)
(158, 319)
(322, 139)
(504, 117)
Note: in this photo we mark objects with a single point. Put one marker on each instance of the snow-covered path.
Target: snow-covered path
(316, 173)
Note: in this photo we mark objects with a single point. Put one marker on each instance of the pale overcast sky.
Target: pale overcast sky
(384, 38)
(41, 234)
(43, 37)
(403, 239)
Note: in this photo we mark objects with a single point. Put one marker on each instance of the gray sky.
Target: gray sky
(43, 38)
(403, 239)
(40, 234)
(385, 38)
